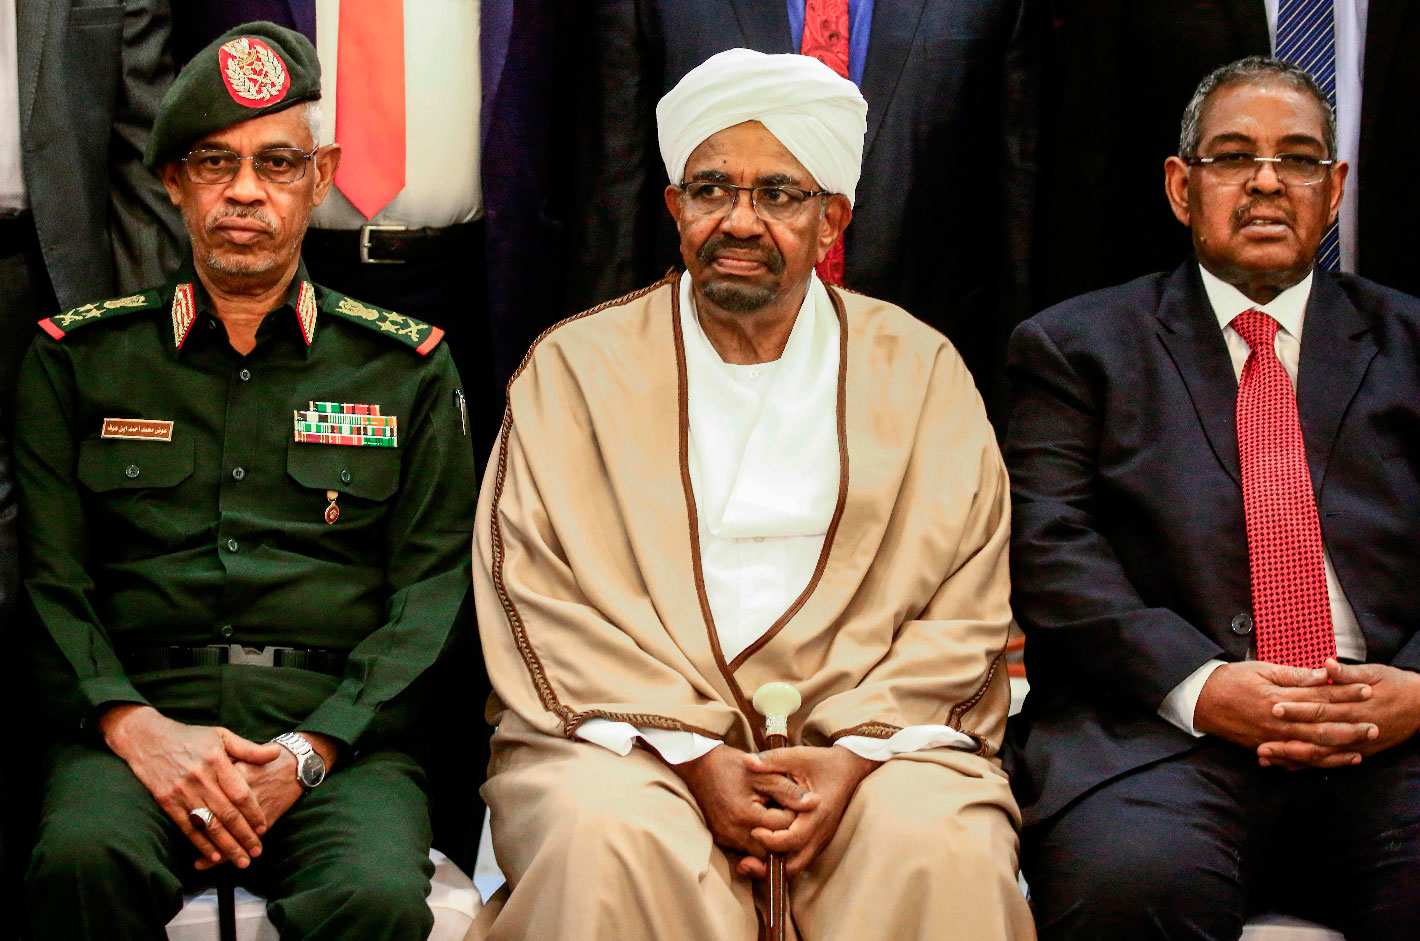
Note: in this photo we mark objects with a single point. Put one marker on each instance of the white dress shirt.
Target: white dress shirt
(442, 89)
(12, 179)
(1350, 16)
(764, 469)
(1289, 310)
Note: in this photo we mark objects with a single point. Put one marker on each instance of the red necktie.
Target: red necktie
(1289, 600)
(369, 103)
(826, 39)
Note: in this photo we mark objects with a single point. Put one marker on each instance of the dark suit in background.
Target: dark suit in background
(1119, 76)
(1129, 563)
(943, 209)
(91, 76)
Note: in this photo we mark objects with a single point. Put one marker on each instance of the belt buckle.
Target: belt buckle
(251, 656)
(365, 231)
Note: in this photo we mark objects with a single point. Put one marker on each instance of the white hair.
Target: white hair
(312, 117)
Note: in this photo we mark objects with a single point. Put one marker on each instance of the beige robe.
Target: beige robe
(591, 604)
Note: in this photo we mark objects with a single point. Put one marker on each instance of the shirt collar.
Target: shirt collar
(191, 301)
(1288, 308)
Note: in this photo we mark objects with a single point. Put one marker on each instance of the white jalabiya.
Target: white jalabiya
(764, 466)
(818, 115)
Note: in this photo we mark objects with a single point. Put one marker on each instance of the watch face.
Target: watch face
(311, 770)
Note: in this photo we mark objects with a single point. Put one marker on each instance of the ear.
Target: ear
(1339, 170)
(172, 176)
(672, 195)
(836, 216)
(1176, 174)
(325, 162)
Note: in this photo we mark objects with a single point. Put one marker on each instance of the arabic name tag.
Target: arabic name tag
(346, 423)
(137, 429)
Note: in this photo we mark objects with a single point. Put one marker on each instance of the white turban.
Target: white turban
(819, 116)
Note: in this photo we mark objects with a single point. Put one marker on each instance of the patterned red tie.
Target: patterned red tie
(1289, 600)
(826, 39)
(369, 103)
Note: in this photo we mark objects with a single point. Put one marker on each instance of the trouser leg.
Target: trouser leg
(107, 858)
(925, 850)
(1166, 851)
(351, 858)
(600, 846)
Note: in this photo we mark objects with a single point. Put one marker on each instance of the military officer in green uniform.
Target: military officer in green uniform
(246, 507)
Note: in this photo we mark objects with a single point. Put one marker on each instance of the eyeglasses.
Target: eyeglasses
(770, 203)
(1291, 169)
(275, 165)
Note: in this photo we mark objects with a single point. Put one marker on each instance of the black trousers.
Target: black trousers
(1191, 846)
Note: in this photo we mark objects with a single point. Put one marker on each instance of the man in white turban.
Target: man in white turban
(736, 476)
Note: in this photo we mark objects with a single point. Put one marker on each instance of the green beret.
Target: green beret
(252, 70)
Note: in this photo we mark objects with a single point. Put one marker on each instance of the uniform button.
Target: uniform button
(238, 473)
(1242, 623)
(231, 545)
(131, 471)
(758, 538)
(244, 375)
(754, 373)
(226, 631)
(345, 476)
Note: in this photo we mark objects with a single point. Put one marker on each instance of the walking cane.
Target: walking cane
(777, 702)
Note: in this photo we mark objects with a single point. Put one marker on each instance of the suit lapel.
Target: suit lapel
(894, 28)
(1337, 349)
(1250, 24)
(765, 25)
(33, 21)
(1190, 333)
(1383, 32)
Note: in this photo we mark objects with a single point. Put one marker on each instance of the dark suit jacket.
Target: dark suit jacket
(91, 78)
(1129, 550)
(942, 215)
(1119, 74)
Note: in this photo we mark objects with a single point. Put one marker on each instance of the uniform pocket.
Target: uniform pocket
(112, 464)
(366, 473)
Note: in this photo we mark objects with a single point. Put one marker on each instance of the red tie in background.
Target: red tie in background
(1289, 601)
(369, 103)
(826, 39)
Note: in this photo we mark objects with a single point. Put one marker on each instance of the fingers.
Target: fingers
(773, 818)
(241, 749)
(791, 760)
(790, 840)
(178, 812)
(1332, 734)
(1366, 673)
(1295, 754)
(1295, 676)
(752, 868)
(784, 791)
(1344, 711)
(251, 818)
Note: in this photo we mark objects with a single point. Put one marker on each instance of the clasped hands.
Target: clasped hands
(785, 800)
(246, 785)
(1297, 718)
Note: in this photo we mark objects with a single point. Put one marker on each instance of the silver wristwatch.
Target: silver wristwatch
(310, 766)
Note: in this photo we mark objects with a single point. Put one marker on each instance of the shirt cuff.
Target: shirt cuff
(1178, 706)
(912, 738)
(674, 747)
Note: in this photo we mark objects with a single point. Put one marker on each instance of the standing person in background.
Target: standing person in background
(80, 217)
(943, 219)
(1113, 64)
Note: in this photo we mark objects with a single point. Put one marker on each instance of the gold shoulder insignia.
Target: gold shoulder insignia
(422, 337)
(61, 325)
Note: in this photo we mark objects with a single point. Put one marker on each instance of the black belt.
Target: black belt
(390, 244)
(17, 233)
(145, 659)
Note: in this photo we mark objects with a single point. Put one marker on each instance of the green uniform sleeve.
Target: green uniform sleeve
(54, 537)
(427, 545)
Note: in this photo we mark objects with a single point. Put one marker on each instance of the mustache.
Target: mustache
(1242, 212)
(769, 256)
(243, 212)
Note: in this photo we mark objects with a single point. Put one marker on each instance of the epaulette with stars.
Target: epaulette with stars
(61, 325)
(414, 333)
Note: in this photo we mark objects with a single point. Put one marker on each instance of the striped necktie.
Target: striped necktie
(1306, 37)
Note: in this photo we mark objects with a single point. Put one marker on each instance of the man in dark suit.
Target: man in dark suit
(96, 222)
(941, 220)
(1216, 573)
(1113, 64)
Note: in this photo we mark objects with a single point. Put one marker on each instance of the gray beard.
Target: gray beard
(739, 300)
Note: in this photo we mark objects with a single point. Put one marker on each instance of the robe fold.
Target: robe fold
(590, 597)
